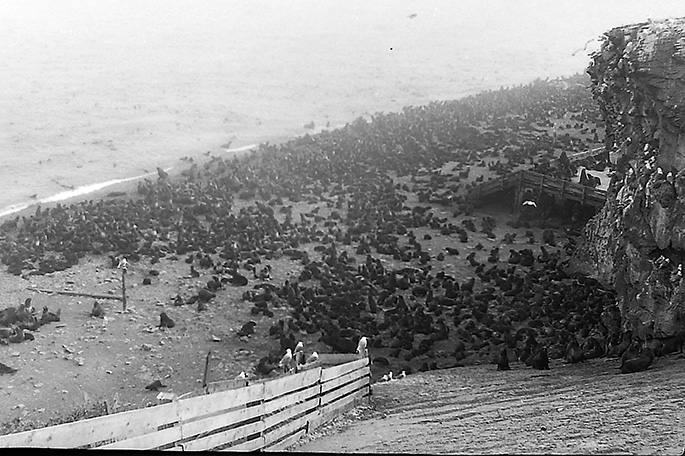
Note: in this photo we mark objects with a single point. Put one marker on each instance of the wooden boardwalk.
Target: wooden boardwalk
(541, 183)
(588, 153)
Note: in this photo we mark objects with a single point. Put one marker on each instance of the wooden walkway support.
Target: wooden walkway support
(234, 415)
(597, 151)
(559, 188)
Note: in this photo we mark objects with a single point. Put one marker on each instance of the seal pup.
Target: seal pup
(540, 360)
(502, 361)
(631, 352)
(247, 329)
(638, 364)
(574, 354)
(154, 386)
(165, 321)
(97, 311)
(5, 369)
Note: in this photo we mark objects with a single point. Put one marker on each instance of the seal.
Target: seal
(540, 360)
(574, 354)
(165, 321)
(503, 361)
(638, 364)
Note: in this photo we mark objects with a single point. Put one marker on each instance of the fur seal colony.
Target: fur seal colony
(394, 254)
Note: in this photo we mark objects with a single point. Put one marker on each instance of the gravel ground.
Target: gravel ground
(586, 408)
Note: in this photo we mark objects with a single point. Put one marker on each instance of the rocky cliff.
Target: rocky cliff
(637, 242)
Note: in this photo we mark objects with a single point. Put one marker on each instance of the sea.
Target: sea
(95, 93)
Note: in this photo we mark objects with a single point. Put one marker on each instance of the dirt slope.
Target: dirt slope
(580, 409)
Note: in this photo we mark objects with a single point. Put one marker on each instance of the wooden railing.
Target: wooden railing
(588, 153)
(542, 183)
(269, 415)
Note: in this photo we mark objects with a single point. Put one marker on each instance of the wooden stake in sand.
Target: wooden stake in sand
(206, 374)
(123, 265)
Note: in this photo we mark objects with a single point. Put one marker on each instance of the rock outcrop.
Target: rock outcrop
(637, 242)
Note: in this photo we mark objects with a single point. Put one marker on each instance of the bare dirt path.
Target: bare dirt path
(579, 409)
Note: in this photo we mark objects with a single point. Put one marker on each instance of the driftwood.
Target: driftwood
(75, 293)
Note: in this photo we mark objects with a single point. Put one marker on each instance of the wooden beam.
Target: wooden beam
(100, 430)
(337, 371)
(74, 293)
(225, 385)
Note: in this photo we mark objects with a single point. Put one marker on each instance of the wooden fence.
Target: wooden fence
(542, 183)
(595, 153)
(267, 415)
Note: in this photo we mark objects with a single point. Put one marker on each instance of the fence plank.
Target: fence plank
(200, 407)
(290, 399)
(150, 441)
(336, 371)
(225, 385)
(337, 358)
(100, 429)
(345, 378)
(288, 441)
(283, 385)
(250, 445)
(309, 366)
(195, 428)
(288, 428)
(347, 389)
(330, 411)
(224, 437)
(290, 412)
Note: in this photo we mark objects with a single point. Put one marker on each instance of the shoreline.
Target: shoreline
(97, 189)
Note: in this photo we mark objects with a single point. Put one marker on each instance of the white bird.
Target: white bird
(361, 346)
(387, 377)
(241, 376)
(402, 375)
(529, 203)
(286, 359)
(313, 358)
(299, 347)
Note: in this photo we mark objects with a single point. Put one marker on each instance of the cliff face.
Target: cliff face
(637, 242)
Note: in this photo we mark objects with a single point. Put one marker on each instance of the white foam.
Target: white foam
(90, 188)
(240, 149)
(79, 191)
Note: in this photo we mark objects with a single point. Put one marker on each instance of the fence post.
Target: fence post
(123, 265)
(519, 192)
(206, 374)
(542, 182)
(123, 288)
(369, 374)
